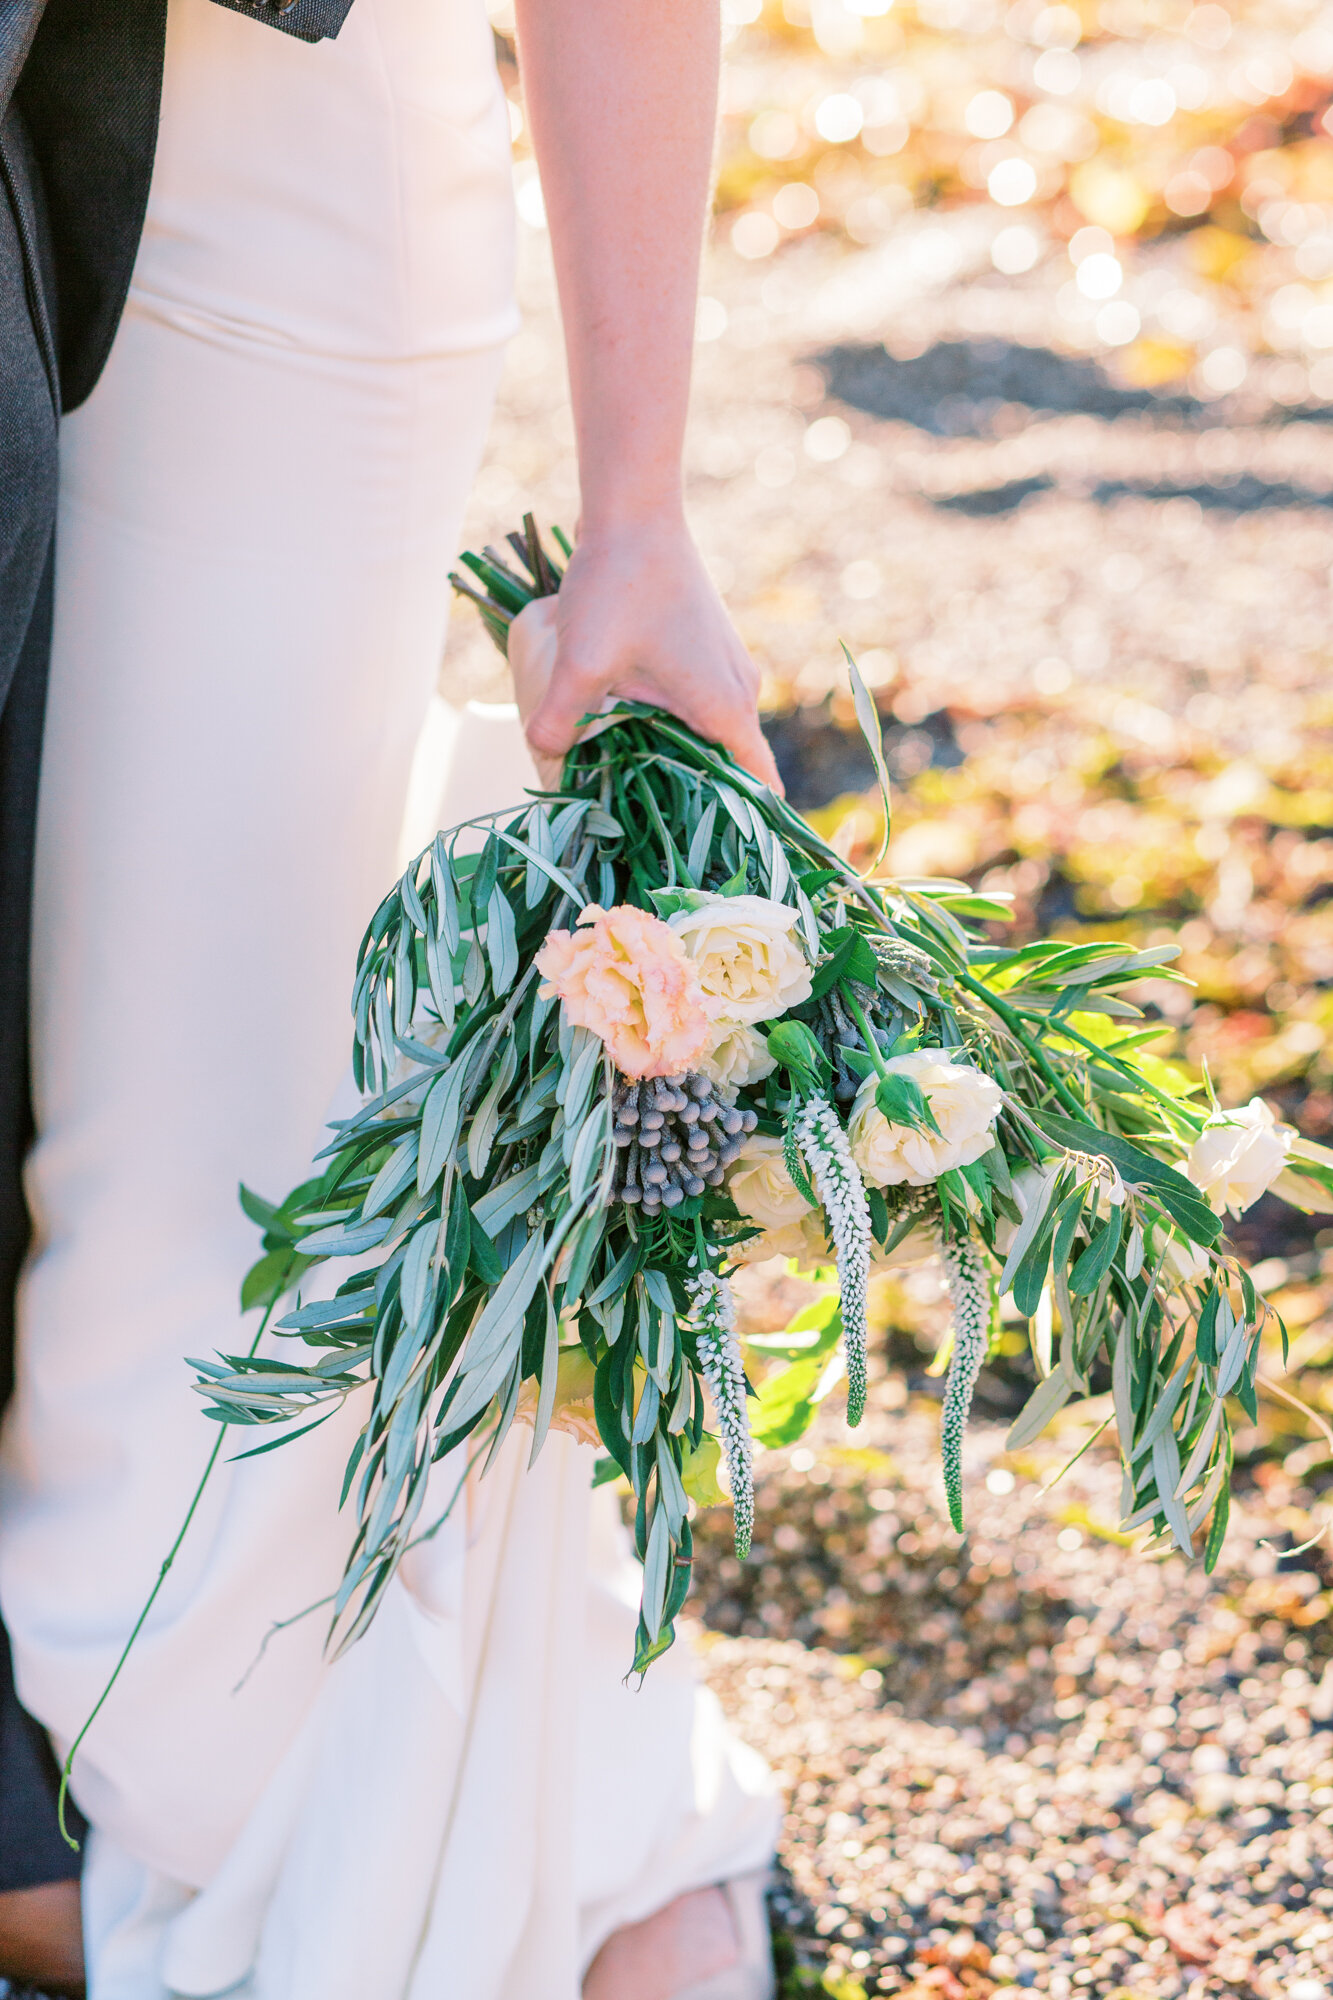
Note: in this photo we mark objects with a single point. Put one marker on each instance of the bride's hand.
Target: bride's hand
(638, 616)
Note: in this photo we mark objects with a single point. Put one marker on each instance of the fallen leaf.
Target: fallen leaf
(962, 1951)
(1190, 1934)
(936, 1984)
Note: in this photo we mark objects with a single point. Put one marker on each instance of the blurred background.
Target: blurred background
(1015, 371)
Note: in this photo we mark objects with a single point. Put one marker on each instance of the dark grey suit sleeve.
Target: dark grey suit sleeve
(309, 20)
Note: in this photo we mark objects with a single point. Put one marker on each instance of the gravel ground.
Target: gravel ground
(1033, 1760)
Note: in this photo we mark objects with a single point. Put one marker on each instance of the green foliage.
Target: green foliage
(785, 1406)
(903, 1102)
(476, 1190)
(794, 1048)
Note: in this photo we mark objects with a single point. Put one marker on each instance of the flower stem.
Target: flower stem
(858, 1014)
(1133, 1076)
(1014, 1022)
(162, 1574)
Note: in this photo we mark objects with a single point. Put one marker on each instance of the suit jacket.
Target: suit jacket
(80, 84)
(86, 76)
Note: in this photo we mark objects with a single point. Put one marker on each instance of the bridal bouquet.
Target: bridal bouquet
(631, 1033)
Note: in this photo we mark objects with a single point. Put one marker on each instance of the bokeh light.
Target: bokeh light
(839, 117)
(1015, 249)
(755, 234)
(989, 114)
(1099, 276)
(796, 205)
(1011, 182)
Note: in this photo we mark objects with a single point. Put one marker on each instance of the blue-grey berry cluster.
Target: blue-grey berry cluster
(676, 1136)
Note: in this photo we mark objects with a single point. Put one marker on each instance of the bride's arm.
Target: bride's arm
(621, 96)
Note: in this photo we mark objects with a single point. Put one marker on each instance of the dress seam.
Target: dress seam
(199, 323)
(408, 485)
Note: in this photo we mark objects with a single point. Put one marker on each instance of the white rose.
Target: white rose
(761, 1187)
(804, 1242)
(1238, 1156)
(750, 965)
(736, 1056)
(966, 1104)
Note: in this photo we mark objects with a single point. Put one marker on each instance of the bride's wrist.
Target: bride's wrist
(615, 511)
(646, 545)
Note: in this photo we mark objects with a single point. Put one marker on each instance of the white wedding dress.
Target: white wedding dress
(261, 501)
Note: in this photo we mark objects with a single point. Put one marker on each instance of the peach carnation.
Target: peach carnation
(626, 975)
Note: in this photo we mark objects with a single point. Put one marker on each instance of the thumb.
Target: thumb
(532, 654)
(569, 695)
(532, 651)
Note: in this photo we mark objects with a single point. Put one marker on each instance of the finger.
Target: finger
(532, 654)
(749, 746)
(549, 771)
(732, 721)
(735, 719)
(553, 724)
(735, 726)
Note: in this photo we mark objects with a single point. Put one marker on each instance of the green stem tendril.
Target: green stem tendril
(1014, 1023)
(153, 1594)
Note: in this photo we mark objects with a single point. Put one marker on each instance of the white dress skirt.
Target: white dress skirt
(260, 504)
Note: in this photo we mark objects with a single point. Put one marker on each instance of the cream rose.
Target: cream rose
(761, 1187)
(736, 1056)
(750, 965)
(573, 1411)
(966, 1104)
(804, 1242)
(1238, 1156)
